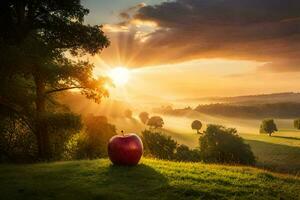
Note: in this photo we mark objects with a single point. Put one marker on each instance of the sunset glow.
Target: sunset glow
(119, 75)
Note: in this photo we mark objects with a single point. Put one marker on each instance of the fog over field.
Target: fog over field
(180, 127)
(114, 111)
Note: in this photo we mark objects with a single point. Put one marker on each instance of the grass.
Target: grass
(152, 179)
(279, 153)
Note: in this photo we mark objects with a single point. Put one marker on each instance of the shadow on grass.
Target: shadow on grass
(285, 137)
(276, 157)
(143, 182)
(134, 181)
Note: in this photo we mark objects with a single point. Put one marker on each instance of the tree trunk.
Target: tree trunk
(41, 130)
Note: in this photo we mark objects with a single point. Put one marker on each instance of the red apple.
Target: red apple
(125, 149)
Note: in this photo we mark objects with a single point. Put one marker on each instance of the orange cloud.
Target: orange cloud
(182, 30)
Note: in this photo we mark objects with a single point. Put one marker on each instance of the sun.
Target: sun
(119, 75)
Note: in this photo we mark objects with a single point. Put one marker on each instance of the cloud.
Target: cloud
(286, 65)
(261, 30)
(126, 14)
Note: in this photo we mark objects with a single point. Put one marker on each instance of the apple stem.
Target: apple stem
(122, 132)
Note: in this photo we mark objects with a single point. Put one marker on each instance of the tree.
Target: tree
(128, 113)
(223, 145)
(36, 40)
(159, 145)
(155, 122)
(196, 125)
(144, 117)
(297, 123)
(268, 126)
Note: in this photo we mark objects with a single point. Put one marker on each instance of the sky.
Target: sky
(194, 48)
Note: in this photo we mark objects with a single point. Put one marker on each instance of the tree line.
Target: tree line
(276, 110)
(255, 111)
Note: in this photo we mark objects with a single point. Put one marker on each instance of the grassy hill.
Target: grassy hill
(280, 153)
(152, 179)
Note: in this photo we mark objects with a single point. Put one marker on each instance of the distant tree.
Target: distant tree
(196, 125)
(144, 117)
(223, 145)
(128, 113)
(297, 123)
(155, 122)
(268, 126)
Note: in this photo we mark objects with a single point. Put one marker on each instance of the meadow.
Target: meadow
(151, 179)
(279, 153)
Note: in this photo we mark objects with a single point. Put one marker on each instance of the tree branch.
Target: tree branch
(63, 89)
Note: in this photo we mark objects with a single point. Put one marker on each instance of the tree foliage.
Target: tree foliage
(223, 145)
(155, 122)
(17, 143)
(40, 47)
(159, 145)
(165, 147)
(196, 125)
(92, 142)
(184, 153)
(268, 126)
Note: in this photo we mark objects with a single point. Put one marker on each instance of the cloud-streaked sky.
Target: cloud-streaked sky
(192, 48)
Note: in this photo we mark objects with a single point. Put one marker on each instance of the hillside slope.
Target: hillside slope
(152, 179)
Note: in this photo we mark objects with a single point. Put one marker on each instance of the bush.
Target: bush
(164, 147)
(62, 127)
(159, 145)
(184, 153)
(223, 145)
(92, 142)
(17, 142)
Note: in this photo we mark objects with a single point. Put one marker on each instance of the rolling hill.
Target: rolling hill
(152, 179)
(249, 99)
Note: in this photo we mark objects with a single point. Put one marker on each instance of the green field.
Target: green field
(152, 179)
(280, 153)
